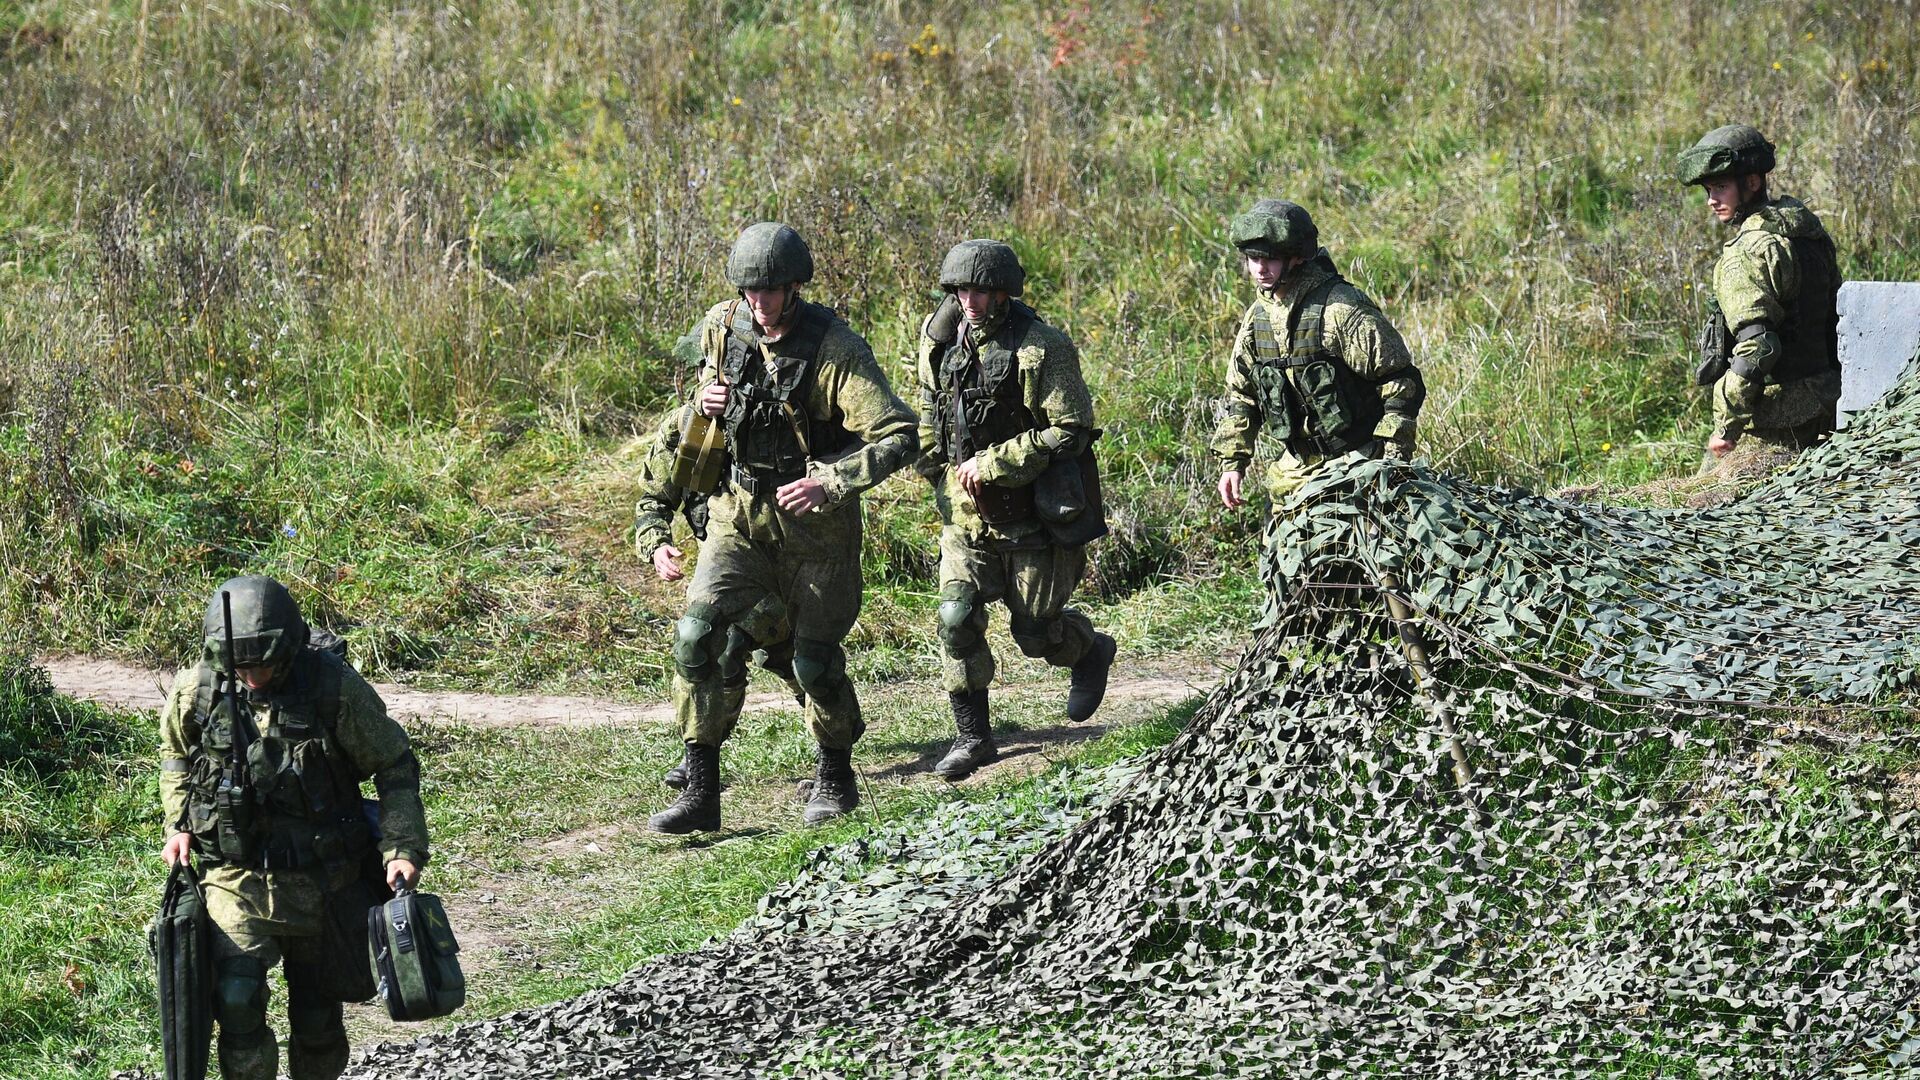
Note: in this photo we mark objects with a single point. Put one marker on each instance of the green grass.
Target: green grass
(404, 282)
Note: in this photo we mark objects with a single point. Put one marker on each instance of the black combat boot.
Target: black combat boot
(974, 745)
(1089, 684)
(698, 807)
(676, 777)
(836, 790)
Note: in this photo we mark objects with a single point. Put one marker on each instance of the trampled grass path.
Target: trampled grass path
(120, 685)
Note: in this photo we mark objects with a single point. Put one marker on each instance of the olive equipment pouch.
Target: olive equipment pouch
(414, 956)
(700, 459)
(181, 941)
(1715, 344)
(1068, 501)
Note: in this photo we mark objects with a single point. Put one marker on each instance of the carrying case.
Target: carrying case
(414, 956)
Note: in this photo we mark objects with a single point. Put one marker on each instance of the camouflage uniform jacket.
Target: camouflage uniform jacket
(660, 497)
(1353, 329)
(1759, 280)
(369, 742)
(1053, 391)
(849, 389)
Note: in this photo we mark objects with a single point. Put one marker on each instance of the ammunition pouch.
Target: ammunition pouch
(180, 940)
(1068, 501)
(699, 461)
(1715, 346)
(999, 505)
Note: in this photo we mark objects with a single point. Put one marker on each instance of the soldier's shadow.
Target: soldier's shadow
(1015, 742)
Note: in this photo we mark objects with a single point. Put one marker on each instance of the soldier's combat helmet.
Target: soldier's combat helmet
(982, 264)
(768, 255)
(1734, 150)
(267, 627)
(1275, 229)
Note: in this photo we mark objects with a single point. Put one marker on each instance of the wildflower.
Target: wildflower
(737, 101)
(287, 530)
(1606, 447)
(1776, 65)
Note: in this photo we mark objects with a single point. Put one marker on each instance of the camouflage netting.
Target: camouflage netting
(1684, 848)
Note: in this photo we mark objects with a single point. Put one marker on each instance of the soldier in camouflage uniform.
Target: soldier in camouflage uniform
(284, 862)
(1770, 346)
(810, 423)
(1315, 364)
(660, 498)
(1001, 398)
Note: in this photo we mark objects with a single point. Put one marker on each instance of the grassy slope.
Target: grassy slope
(375, 298)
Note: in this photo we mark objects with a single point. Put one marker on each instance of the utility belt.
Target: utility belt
(759, 482)
(1301, 446)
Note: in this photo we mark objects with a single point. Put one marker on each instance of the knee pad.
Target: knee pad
(734, 656)
(820, 667)
(698, 639)
(240, 996)
(961, 617)
(1036, 637)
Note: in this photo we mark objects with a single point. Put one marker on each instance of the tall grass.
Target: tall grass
(412, 271)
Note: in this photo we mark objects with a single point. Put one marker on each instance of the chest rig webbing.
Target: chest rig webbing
(770, 432)
(981, 401)
(1312, 400)
(302, 805)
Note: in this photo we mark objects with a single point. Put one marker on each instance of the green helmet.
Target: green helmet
(982, 264)
(267, 627)
(1275, 228)
(1734, 150)
(768, 255)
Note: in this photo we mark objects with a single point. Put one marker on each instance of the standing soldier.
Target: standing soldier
(1001, 400)
(1770, 346)
(262, 785)
(810, 422)
(1315, 362)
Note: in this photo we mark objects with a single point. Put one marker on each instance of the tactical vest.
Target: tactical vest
(1313, 401)
(980, 400)
(1810, 331)
(770, 432)
(303, 807)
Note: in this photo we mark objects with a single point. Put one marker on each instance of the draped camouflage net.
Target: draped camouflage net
(1680, 844)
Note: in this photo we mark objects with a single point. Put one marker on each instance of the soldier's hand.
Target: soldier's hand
(1230, 496)
(969, 476)
(402, 872)
(713, 399)
(666, 563)
(178, 848)
(1721, 445)
(801, 496)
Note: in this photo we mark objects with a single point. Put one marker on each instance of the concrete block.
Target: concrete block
(1879, 333)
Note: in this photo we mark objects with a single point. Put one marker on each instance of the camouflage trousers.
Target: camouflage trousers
(1290, 470)
(756, 595)
(263, 918)
(1787, 417)
(1035, 579)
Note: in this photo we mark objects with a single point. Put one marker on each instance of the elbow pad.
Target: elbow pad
(1756, 351)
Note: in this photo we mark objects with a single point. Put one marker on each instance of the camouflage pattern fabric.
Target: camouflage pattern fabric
(1055, 393)
(774, 573)
(1354, 329)
(660, 498)
(1757, 280)
(1683, 845)
(262, 916)
(1034, 580)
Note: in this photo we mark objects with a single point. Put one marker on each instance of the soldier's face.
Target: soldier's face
(1727, 194)
(258, 676)
(770, 306)
(1265, 270)
(979, 304)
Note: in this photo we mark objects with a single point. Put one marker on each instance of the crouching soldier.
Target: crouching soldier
(1315, 365)
(263, 751)
(1001, 400)
(810, 422)
(1770, 348)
